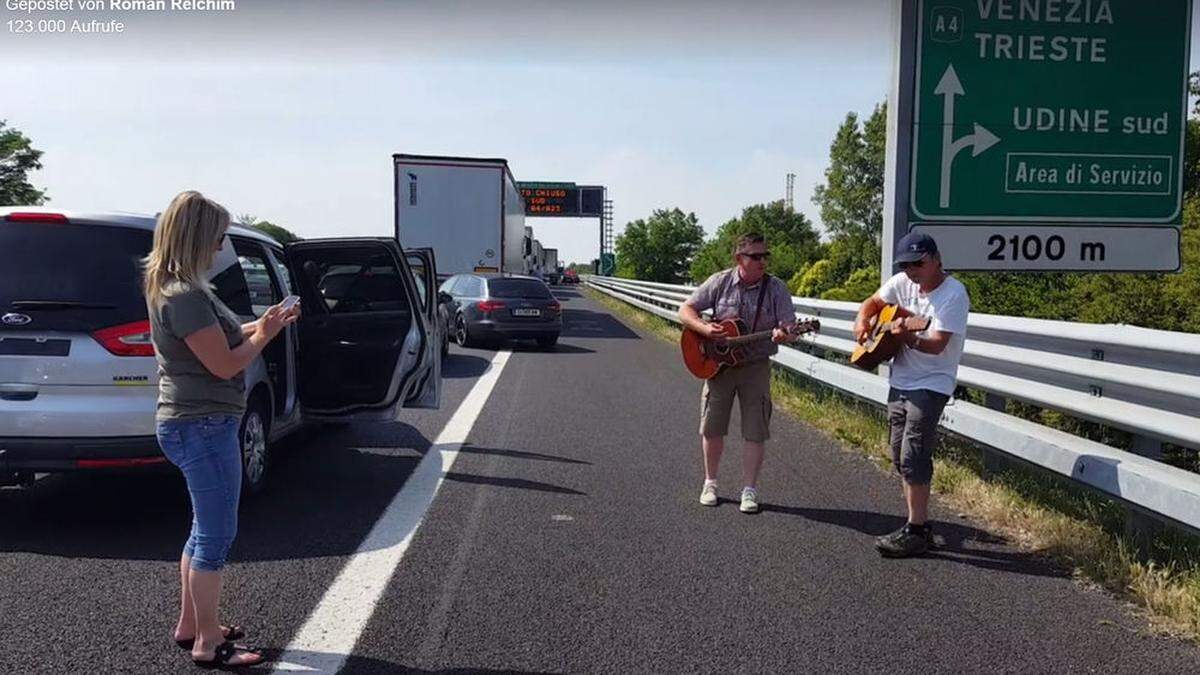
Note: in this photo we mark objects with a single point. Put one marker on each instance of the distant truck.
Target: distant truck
(552, 273)
(468, 210)
(539, 260)
(531, 261)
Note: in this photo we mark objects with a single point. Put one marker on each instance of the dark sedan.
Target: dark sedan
(484, 307)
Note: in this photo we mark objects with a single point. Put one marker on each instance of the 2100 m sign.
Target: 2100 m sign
(1049, 247)
(1032, 247)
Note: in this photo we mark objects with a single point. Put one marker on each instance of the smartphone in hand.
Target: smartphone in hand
(289, 302)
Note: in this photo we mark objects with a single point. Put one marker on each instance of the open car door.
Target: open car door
(366, 347)
(424, 270)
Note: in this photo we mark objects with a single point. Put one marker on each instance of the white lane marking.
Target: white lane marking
(325, 641)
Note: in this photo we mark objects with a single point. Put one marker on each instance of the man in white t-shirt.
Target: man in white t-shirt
(923, 376)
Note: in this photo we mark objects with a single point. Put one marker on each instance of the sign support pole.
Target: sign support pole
(897, 170)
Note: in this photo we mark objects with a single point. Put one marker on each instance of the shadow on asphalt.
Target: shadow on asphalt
(520, 454)
(457, 365)
(511, 483)
(585, 323)
(521, 347)
(327, 490)
(560, 348)
(953, 540)
(564, 293)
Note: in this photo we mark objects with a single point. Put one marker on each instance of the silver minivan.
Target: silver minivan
(78, 378)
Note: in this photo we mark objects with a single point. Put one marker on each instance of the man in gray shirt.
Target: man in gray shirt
(730, 294)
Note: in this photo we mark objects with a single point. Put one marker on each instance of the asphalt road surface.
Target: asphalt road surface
(565, 537)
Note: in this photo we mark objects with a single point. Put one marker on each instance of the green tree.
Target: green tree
(814, 279)
(17, 159)
(1039, 295)
(790, 235)
(659, 248)
(861, 284)
(1163, 301)
(276, 232)
(1191, 154)
(844, 262)
(851, 200)
(1194, 90)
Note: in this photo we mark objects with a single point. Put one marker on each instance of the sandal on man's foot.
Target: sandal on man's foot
(227, 632)
(225, 653)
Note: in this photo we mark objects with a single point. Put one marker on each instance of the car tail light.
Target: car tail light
(489, 305)
(130, 339)
(554, 306)
(27, 217)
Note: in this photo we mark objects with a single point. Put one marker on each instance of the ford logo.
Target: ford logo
(14, 319)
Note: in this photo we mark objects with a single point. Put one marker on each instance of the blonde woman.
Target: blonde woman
(202, 349)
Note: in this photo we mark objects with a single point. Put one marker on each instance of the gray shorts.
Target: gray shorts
(750, 384)
(913, 419)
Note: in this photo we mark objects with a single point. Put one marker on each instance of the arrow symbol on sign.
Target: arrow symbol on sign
(981, 139)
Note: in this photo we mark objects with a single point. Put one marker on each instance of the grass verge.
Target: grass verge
(1036, 510)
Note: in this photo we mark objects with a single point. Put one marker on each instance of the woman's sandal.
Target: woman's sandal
(227, 632)
(224, 653)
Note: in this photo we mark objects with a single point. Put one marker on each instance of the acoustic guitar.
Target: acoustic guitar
(705, 357)
(881, 344)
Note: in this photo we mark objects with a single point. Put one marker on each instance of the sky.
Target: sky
(291, 110)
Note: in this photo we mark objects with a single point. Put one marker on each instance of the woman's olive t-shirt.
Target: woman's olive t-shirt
(186, 389)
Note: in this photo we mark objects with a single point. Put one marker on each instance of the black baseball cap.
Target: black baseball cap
(914, 246)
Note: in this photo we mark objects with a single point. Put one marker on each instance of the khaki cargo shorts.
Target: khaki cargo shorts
(751, 384)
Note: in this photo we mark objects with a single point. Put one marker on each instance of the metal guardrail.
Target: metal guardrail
(1143, 381)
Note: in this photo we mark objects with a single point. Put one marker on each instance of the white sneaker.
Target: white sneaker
(708, 496)
(749, 500)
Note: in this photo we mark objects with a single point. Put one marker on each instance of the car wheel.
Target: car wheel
(547, 341)
(461, 335)
(255, 448)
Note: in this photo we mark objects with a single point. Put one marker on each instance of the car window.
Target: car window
(95, 268)
(417, 266)
(472, 287)
(284, 276)
(230, 286)
(355, 279)
(448, 285)
(518, 288)
(257, 270)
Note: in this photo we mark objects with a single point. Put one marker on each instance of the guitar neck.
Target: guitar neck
(797, 330)
(750, 337)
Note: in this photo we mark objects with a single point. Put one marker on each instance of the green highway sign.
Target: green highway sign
(1049, 111)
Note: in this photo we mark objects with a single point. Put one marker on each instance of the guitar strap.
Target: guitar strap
(762, 290)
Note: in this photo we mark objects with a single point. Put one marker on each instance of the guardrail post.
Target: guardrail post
(1147, 447)
(1141, 529)
(993, 461)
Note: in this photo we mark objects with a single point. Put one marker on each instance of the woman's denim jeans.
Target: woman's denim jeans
(207, 451)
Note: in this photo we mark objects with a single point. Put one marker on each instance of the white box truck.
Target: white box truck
(468, 210)
(551, 273)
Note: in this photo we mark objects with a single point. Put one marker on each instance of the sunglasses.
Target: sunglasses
(906, 265)
(757, 256)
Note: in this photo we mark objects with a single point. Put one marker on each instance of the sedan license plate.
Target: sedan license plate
(527, 312)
